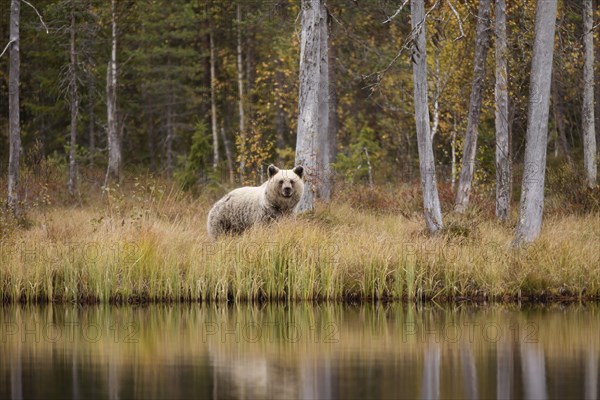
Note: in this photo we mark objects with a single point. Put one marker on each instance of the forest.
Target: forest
(437, 135)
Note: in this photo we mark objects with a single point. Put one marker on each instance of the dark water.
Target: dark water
(299, 351)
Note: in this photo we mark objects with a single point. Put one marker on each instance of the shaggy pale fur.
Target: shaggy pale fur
(243, 207)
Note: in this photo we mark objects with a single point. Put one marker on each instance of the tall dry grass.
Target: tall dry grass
(147, 241)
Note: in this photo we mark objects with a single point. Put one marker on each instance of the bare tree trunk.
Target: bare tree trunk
(453, 151)
(470, 146)
(279, 111)
(370, 169)
(503, 162)
(589, 131)
(324, 109)
(597, 81)
(313, 112)
(559, 118)
(150, 140)
(13, 108)
(453, 159)
(72, 184)
(170, 136)
(431, 201)
(114, 140)
(250, 70)
(438, 89)
(532, 192)
(334, 123)
(213, 102)
(242, 149)
(228, 154)
(91, 115)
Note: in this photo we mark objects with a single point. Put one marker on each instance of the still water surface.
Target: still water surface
(299, 351)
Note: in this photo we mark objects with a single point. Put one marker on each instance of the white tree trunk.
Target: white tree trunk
(334, 123)
(72, 184)
(438, 92)
(470, 146)
(503, 162)
(324, 110)
(453, 159)
(114, 140)
(532, 192)
(431, 201)
(312, 146)
(14, 124)
(213, 102)
(240, 82)
(589, 131)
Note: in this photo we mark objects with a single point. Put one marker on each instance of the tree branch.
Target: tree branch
(396, 13)
(462, 32)
(7, 46)
(407, 44)
(38, 14)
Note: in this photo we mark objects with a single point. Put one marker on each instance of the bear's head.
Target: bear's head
(285, 187)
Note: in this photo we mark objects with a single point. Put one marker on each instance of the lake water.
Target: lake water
(299, 351)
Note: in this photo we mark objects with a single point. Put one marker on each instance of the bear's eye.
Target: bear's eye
(281, 182)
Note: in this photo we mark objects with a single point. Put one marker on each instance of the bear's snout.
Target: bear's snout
(287, 191)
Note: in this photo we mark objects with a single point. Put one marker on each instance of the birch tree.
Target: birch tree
(240, 82)
(312, 146)
(213, 102)
(14, 115)
(431, 201)
(503, 164)
(532, 191)
(330, 140)
(470, 146)
(589, 131)
(91, 87)
(334, 123)
(113, 171)
(14, 123)
(73, 99)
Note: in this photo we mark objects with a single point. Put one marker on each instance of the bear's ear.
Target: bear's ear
(272, 170)
(299, 170)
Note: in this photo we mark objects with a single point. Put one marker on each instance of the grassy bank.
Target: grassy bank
(148, 242)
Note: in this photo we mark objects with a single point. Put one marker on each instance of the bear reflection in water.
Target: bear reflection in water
(259, 378)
